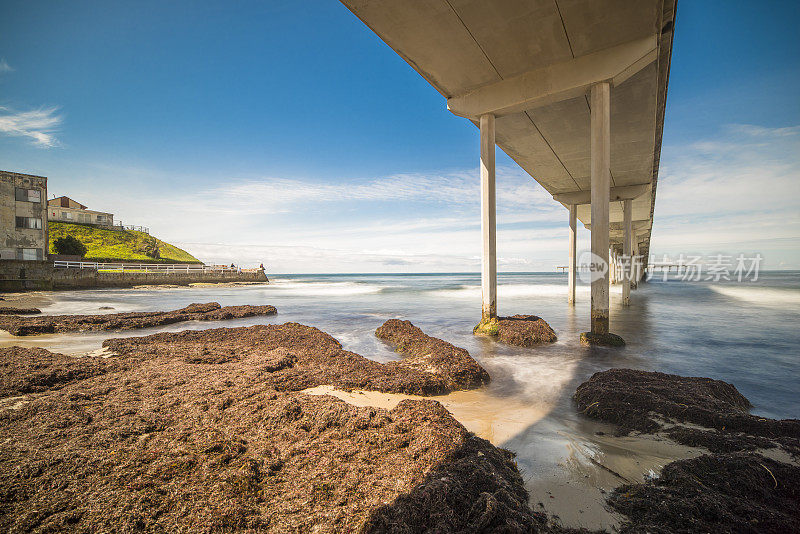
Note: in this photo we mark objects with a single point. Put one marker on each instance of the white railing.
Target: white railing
(164, 268)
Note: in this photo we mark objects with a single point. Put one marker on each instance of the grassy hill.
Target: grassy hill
(113, 245)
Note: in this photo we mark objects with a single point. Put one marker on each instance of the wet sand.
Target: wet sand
(30, 299)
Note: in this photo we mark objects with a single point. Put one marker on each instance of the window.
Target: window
(101, 219)
(28, 195)
(29, 254)
(66, 215)
(29, 222)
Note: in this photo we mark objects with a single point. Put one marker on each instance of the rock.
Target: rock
(604, 340)
(31, 370)
(519, 330)
(731, 492)
(487, 327)
(430, 354)
(317, 358)
(48, 324)
(525, 331)
(161, 441)
(631, 399)
(742, 492)
(8, 310)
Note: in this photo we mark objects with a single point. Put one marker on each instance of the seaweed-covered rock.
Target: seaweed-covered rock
(604, 340)
(718, 441)
(198, 432)
(316, 358)
(722, 492)
(31, 370)
(630, 398)
(433, 355)
(520, 330)
(742, 492)
(525, 330)
(10, 310)
(48, 324)
(476, 489)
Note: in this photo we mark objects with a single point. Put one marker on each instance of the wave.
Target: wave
(510, 291)
(769, 297)
(302, 289)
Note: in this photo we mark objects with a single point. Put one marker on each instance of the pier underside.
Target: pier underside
(574, 91)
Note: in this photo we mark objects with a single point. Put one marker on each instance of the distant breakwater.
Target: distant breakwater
(41, 275)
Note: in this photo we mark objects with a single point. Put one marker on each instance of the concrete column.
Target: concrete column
(488, 221)
(627, 272)
(635, 266)
(573, 226)
(612, 267)
(601, 189)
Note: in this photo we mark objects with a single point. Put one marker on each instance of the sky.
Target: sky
(288, 133)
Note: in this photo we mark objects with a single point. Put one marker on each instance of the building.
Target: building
(22, 217)
(64, 209)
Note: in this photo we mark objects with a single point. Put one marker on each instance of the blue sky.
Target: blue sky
(288, 133)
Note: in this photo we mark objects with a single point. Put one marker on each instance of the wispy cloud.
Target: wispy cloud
(40, 125)
(735, 193)
(271, 195)
(4, 66)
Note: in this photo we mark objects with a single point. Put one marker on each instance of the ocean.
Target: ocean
(745, 333)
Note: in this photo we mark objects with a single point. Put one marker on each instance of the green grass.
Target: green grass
(112, 245)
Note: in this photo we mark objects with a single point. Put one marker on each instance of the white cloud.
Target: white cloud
(736, 192)
(4, 66)
(39, 125)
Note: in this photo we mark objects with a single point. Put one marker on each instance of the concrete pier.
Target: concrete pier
(573, 226)
(601, 188)
(533, 79)
(488, 221)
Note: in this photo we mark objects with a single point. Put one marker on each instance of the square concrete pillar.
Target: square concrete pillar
(573, 225)
(601, 189)
(488, 221)
(627, 272)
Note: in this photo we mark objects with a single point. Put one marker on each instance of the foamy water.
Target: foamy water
(760, 296)
(323, 289)
(473, 292)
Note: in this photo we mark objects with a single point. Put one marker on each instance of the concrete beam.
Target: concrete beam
(625, 192)
(557, 82)
(641, 224)
(488, 221)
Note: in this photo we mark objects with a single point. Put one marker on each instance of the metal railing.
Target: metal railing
(132, 228)
(128, 227)
(163, 268)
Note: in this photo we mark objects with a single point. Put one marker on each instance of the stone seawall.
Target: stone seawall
(40, 275)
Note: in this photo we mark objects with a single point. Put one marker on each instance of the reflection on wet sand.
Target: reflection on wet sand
(492, 418)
